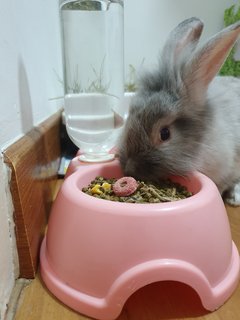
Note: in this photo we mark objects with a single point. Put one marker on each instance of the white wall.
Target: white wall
(30, 58)
(147, 24)
(29, 54)
(8, 253)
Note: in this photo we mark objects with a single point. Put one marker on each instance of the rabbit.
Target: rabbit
(184, 117)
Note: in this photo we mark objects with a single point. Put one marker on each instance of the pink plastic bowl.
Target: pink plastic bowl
(97, 253)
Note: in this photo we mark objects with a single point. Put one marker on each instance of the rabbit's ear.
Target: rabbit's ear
(184, 37)
(207, 61)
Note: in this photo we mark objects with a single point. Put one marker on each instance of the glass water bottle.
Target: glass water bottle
(92, 41)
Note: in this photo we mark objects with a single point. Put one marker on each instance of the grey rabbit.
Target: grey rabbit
(185, 118)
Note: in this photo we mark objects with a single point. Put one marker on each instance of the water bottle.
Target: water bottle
(93, 64)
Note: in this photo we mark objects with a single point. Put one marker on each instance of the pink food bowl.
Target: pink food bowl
(97, 253)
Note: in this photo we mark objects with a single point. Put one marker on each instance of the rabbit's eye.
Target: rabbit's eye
(165, 134)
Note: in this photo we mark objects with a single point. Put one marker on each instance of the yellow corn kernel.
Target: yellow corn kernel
(96, 189)
(106, 186)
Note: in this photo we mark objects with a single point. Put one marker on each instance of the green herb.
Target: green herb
(96, 85)
(231, 67)
(82, 5)
(130, 84)
(131, 78)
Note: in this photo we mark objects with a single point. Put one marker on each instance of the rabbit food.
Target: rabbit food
(128, 190)
(125, 186)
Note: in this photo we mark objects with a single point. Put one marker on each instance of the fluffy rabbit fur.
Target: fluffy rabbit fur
(184, 117)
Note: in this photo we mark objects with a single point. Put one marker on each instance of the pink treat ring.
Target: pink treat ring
(125, 186)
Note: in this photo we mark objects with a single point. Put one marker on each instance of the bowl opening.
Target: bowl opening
(193, 182)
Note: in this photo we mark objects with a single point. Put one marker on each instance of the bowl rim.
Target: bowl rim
(207, 190)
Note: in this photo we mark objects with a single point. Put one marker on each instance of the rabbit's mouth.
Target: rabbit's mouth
(144, 170)
(152, 168)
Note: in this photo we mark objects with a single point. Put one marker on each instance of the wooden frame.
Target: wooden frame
(33, 161)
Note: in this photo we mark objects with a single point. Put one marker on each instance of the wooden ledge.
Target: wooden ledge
(33, 161)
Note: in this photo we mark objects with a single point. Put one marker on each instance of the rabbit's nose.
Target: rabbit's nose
(129, 169)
